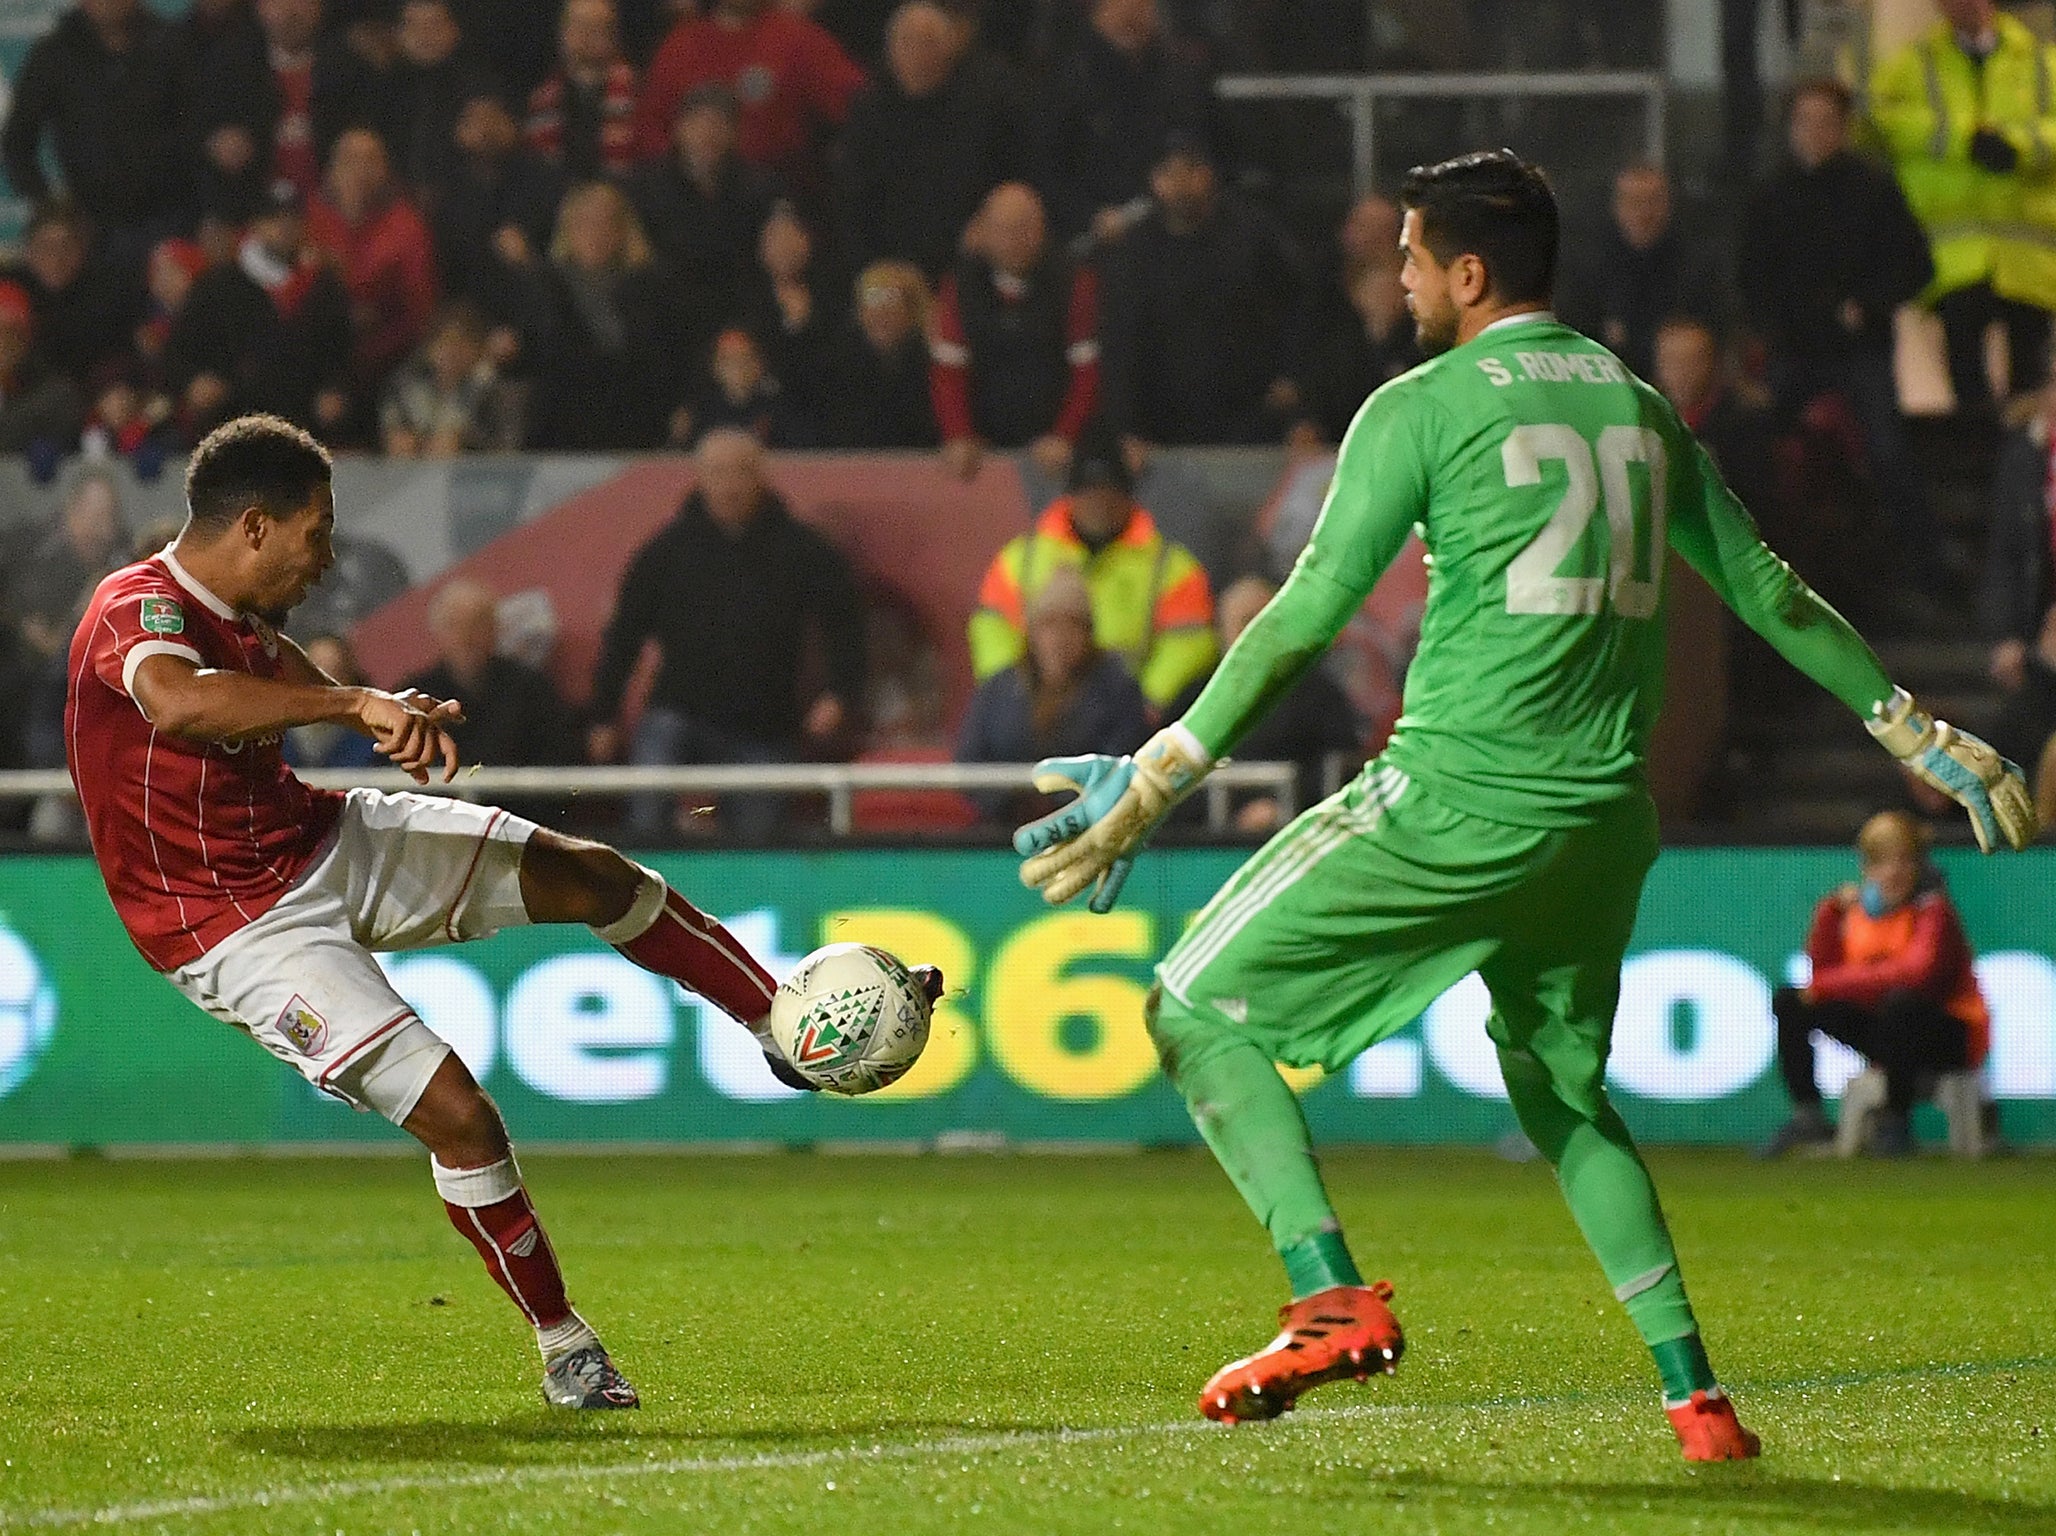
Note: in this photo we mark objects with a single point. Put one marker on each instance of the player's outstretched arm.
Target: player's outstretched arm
(213, 705)
(1716, 535)
(1378, 493)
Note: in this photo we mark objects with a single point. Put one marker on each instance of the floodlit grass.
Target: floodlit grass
(1008, 1344)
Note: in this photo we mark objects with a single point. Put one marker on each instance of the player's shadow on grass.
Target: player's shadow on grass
(1739, 1493)
(498, 1441)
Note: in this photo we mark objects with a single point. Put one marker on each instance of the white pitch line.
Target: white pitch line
(960, 1445)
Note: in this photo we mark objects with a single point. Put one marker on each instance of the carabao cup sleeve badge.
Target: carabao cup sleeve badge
(163, 616)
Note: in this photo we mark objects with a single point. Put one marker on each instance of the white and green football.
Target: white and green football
(850, 1018)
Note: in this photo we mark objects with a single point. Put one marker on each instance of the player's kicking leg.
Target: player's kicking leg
(480, 1183)
(570, 880)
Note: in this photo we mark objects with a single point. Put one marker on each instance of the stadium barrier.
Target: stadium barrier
(1040, 1039)
(1359, 96)
(838, 783)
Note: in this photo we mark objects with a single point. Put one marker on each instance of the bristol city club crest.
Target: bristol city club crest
(306, 1029)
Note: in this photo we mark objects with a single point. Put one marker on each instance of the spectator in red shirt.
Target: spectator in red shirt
(582, 118)
(790, 80)
(381, 245)
(1014, 354)
(1891, 978)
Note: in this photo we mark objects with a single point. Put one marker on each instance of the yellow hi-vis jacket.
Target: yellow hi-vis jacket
(1927, 100)
(1151, 604)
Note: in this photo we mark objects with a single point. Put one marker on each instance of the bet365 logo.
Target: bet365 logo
(28, 1011)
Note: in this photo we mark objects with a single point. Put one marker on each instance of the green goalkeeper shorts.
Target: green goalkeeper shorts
(1352, 920)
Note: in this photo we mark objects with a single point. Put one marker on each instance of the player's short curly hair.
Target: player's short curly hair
(262, 461)
(1495, 206)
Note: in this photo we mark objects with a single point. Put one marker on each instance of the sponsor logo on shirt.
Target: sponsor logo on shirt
(163, 616)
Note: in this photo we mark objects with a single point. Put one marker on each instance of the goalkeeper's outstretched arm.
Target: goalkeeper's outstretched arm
(1716, 535)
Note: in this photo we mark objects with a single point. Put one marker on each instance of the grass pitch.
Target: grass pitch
(876, 1344)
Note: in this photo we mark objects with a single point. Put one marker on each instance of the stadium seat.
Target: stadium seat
(1960, 1096)
(910, 810)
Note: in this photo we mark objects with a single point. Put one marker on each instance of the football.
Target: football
(850, 1018)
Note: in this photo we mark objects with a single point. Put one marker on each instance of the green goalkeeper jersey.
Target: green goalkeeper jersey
(1547, 483)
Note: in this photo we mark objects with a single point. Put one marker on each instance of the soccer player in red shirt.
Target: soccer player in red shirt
(263, 899)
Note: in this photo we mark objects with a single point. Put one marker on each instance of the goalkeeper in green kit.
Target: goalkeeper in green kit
(1507, 827)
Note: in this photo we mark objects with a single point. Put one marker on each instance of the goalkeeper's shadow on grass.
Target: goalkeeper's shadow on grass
(1738, 1492)
(492, 1441)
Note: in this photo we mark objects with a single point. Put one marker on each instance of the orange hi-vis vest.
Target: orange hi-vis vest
(1918, 947)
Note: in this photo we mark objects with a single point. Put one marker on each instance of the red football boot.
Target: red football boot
(1346, 1330)
(1709, 1431)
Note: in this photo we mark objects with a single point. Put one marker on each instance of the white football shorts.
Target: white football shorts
(399, 872)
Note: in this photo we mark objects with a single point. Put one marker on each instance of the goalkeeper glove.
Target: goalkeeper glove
(1119, 802)
(1961, 766)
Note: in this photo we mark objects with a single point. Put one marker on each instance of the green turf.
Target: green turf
(893, 1345)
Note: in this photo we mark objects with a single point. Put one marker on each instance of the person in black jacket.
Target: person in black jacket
(437, 71)
(703, 208)
(513, 716)
(1641, 270)
(500, 202)
(732, 590)
(1112, 103)
(268, 102)
(2020, 572)
(926, 143)
(269, 331)
(1014, 347)
(1829, 250)
(86, 306)
(1204, 305)
(1312, 723)
(875, 390)
(103, 85)
(602, 336)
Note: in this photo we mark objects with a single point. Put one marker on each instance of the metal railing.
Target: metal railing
(839, 783)
(1360, 95)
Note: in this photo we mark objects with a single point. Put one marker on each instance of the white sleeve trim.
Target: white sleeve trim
(138, 654)
(1179, 731)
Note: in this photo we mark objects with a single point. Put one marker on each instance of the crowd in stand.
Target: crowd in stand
(428, 227)
(431, 227)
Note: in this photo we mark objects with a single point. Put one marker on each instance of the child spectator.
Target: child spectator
(174, 266)
(448, 398)
(740, 392)
(795, 309)
(1891, 978)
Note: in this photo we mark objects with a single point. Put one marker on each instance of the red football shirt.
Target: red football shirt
(194, 839)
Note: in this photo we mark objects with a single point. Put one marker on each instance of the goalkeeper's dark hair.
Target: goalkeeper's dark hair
(262, 461)
(1495, 206)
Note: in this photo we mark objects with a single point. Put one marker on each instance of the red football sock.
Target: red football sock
(508, 1236)
(697, 952)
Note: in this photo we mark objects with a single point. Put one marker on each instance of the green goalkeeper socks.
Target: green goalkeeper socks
(1251, 1120)
(1319, 1263)
(1684, 1367)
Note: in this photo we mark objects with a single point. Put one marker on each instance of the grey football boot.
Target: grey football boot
(586, 1378)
